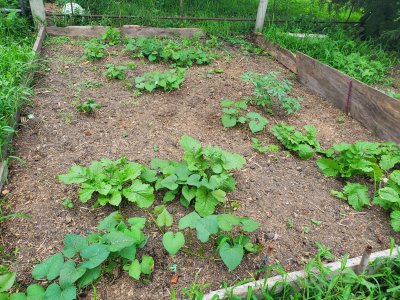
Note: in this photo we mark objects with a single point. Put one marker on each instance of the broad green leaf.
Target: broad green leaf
(54, 292)
(128, 252)
(148, 175)
(75, 175)
(395, 177)
(249, 225)
(231, 255)
(357, 195)
(206, 226)
(169, 182)
(140, 193)
(85, 193)
(189, 193)
(395, 220)
(328, 166)
(189, 144)
(389, 194)
(232, 161)
(116, 198)
(69, 274)
(17, 296)
(94, 255)
(228, 121)
(147, 264)
(305, 151)
(190, 220)
(35, 292)
(227, 222)
(111, 221)
(164, 218)
(220, 195)
(137, 222)
(195, 180)
(388, 162)
(169, 196)
(50, 268)
(227, 103)
(117, 241)
(89, 277)
(173, 243)
(73, 243)
(135, 270)
(205, 202)
(7, 280)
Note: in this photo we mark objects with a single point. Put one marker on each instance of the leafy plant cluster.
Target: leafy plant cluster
(112, 181)
(236, 113)
(376, 161)
(88, 106)
(293, 140)
(167, 50)
(168, 80)
(231, 247)
(269, 90)
(256, 145)
(96, 49)
(84, 259)
(115, 72)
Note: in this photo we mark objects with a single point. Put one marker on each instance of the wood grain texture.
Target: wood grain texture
(375, 110)
(282, 55)
(292, 278)
(128, 30)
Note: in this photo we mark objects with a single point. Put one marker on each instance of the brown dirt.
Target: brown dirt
(272, 188)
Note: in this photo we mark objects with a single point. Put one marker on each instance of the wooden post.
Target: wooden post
(182, 8)
(262, 9)
(37, 8)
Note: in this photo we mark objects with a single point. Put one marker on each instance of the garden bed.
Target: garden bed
(272, 188)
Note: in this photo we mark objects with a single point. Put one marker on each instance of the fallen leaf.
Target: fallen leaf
(174, 279)
(5, 192)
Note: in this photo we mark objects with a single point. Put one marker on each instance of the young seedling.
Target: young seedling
(115, 72)
(88, 106)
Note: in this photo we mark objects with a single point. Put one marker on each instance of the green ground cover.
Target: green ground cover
(16, 54)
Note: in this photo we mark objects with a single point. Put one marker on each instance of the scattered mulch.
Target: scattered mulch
(271, 188)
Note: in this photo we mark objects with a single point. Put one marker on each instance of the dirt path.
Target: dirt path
(271, 188)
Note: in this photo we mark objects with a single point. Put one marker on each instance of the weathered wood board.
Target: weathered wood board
(129, 31)
(282, 55)
(37, 47)
(375, 110)
(292, 278)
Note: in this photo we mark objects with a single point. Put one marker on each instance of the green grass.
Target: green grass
(145, 11)
(366, 61)
(16, 60)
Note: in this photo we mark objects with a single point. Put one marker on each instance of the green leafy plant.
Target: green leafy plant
(231, 247)
(112, 36)
(115, 72)
(67, 203)
(256, 145)
(112, 181)
(291, 139)
(232, 115)
(169, 80)
(94, 50)
(356, 194)
(155, 49)
(88, 106)
(270, 90)
(361, 158)
(203, 177)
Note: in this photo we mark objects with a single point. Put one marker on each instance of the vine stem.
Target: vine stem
(154, 221)
(200, 256)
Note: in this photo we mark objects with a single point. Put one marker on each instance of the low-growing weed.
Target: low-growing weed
(256, 145)
(233, 114)
(88, 106)
(112, 37)
(293, 140)
(90, 84)
(94, 50)
(166, 50)
(115, 72)
(270, 90)
(67, 203)
(169, 80)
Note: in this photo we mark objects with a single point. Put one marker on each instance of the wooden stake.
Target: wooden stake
(37, 8)
(262, 9)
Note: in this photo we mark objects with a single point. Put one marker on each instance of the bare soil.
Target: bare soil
(271, 188)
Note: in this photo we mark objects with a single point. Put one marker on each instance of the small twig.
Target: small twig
(154, 221)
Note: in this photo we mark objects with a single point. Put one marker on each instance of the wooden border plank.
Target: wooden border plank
(37, 47)
(375, 110)
(128, 30)
(291, 278)
(282, 55)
